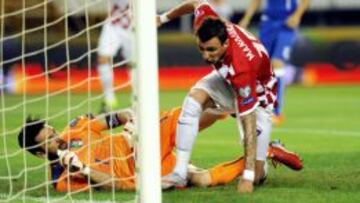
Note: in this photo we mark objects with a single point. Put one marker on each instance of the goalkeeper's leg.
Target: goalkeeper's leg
(219, 174)
(226, 172)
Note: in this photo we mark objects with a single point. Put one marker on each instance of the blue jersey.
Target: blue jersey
(276, 36)
(279, 10)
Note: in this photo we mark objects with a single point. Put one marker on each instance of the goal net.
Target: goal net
(51, 51)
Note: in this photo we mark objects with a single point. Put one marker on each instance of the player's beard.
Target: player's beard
(209, 62)
(62, 145)
(217, 61)
(53, 157)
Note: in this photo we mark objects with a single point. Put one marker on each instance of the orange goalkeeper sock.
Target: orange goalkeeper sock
(226, 172)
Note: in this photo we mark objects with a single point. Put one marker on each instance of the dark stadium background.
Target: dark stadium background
(177, 49)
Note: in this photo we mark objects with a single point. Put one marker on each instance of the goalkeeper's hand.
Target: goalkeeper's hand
(129, 132)
(129, 128)
(71, 161)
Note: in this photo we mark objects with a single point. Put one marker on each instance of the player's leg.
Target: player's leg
(126, 43)
(186, 132)
(277, 153)
(263, 128)
(109, 43)
(279, 67)
(168, 133)
(267, 34)
(208, 91)
(218, 175)
(226, 172)
(168, 122)
(2, 83)
(188, 124)
(105, 72)
(188, 127)
(280, 59)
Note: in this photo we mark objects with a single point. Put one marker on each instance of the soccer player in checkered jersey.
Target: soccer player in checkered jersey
(242, 83)
(115, 35)
(278, 31)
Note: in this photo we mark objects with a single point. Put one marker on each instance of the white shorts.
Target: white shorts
(224, 97)
(112, 38)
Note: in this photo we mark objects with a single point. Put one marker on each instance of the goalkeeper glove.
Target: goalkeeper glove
(70, 160)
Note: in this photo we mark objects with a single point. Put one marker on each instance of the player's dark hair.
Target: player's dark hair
(212, 27)
(28, 133)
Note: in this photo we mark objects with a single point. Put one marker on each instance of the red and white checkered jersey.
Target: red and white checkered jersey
(246, 65)
(120, 13)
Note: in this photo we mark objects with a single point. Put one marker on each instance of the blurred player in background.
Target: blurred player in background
(115, 35)
(242, 83)
(280, 21)
(2, 83)
(223, 8)
(84, 150)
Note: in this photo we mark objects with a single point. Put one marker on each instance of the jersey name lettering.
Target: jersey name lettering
(245, 48)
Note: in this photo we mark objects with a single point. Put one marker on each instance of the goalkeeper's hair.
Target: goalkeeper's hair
(28, 133)
(212, 27)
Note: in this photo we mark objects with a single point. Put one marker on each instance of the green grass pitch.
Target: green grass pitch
(322, 125)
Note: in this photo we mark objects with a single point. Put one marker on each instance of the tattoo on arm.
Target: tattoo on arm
(249, 124)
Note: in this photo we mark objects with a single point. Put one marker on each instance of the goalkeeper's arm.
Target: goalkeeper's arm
(113, 119)
(70, 160)
(103, 180)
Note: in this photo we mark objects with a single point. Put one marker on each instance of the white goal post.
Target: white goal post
(147, 99)
(52, 75)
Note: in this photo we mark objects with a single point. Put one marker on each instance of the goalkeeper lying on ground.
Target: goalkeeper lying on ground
(85, 153)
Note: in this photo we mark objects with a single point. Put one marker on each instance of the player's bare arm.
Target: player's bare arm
(249, 124)
(249, 13)
(294, 20)
(184, 8)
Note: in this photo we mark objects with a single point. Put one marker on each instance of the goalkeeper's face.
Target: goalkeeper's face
(49, 140)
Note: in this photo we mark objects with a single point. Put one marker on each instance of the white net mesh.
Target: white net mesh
(49, 69)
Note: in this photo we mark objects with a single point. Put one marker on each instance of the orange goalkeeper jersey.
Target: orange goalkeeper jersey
(109, 154)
